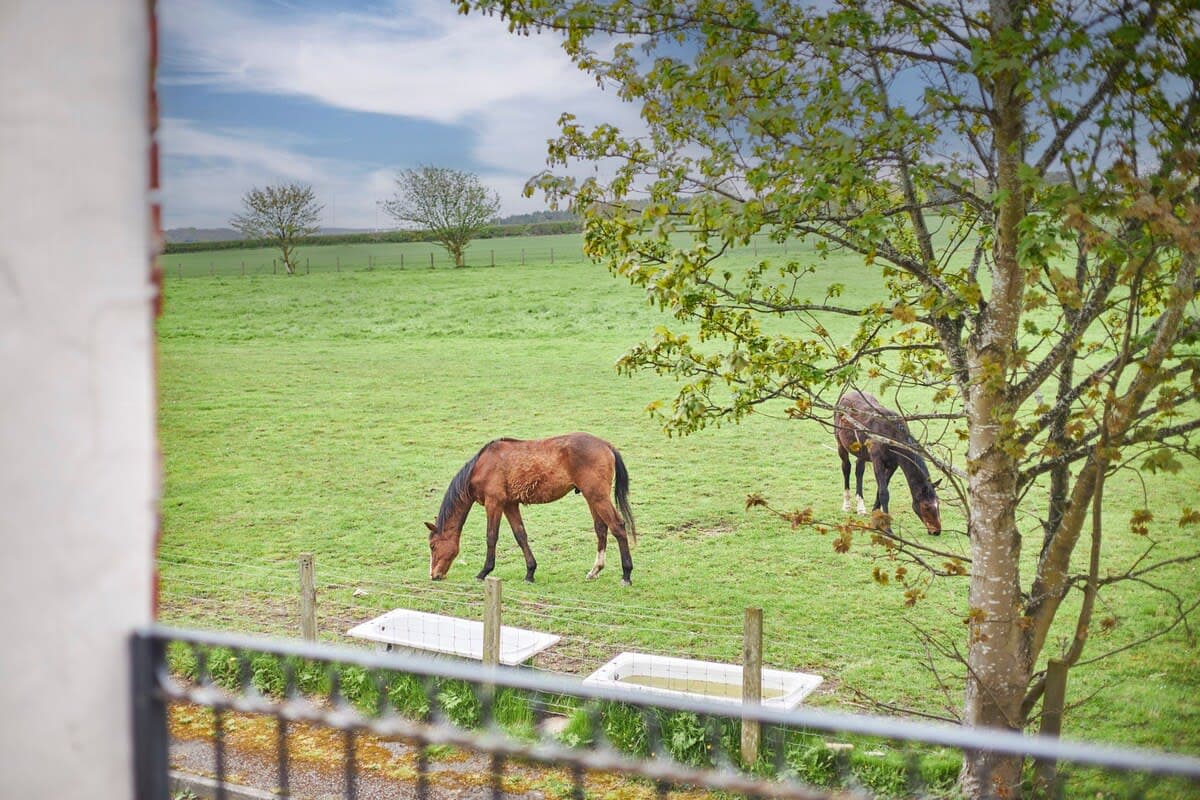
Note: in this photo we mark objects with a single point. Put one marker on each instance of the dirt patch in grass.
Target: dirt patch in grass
(696, 530)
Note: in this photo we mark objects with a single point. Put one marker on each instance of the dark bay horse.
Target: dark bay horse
(508, 473)
(863, 426)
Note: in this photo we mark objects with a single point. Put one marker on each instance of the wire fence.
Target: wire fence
(301, 719)
(525, 251)
(212, 592)
(260, 265)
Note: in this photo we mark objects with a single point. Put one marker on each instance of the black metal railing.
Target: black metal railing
(355, 723)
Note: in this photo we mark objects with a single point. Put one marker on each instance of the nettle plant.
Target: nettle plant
(1019, 178)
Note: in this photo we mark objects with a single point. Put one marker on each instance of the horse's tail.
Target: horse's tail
(622, 494)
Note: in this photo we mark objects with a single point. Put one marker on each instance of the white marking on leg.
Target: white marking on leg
(599, 565)
(862, 506)
(846, 500)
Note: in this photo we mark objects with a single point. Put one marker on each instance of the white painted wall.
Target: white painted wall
(78, 465)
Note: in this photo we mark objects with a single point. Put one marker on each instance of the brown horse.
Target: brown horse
(507, 473)
(863, 426)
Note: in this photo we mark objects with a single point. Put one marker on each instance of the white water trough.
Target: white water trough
(677, 677)
(417, 632)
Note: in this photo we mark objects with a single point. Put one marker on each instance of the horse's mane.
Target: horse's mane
(459, 490)
(895, 427)
(910, 451)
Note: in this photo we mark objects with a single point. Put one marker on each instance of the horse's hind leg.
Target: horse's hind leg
(513, 513)
(601, 545)
(603, 508)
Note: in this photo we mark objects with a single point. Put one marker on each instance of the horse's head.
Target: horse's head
(928, 509)
(443, 549)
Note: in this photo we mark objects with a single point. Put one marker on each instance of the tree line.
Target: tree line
(498, 231)
(448, 206)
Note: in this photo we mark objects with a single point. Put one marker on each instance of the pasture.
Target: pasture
(327, 412)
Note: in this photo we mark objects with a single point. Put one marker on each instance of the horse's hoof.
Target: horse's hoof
(591, 576)
(529, 579)
(626, 582)
(481, 576)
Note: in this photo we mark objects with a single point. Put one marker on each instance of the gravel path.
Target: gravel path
(461, 779)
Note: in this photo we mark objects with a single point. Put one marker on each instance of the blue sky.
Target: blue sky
(342, 95)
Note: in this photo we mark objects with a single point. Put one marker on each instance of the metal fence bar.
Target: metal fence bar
(888, 728)
(150, 757)
(351, 771)
(219, 749)
(281, 756)
(422, 770)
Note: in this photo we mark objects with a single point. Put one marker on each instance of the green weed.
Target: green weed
(460, 704)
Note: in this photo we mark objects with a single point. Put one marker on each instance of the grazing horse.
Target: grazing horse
(872, 432)
(507, 473)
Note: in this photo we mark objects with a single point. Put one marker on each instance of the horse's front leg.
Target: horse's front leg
(513, 514)
(844, 455)
(860, 467)
(493, 535)
(883, 476)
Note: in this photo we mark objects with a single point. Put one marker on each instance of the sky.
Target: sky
(342, 95)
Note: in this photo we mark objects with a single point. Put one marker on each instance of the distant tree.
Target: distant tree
(281, 214)
(453, 205)
(535, 217)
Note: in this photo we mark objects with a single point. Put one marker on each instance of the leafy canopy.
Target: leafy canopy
(1023, 180)
(454, 205)
(282, 214)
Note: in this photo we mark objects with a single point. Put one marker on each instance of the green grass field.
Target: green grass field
(327, 412)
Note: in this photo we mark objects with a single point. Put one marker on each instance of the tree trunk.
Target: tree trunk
(287, 260)
(998, 672)
(998, 669)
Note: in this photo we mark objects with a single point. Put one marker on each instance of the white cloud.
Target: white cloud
(206, 173)
(421, 61)
(182, 138)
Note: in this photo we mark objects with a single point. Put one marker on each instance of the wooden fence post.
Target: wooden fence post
(1053, 700)
(751, 681)
(491, 621)
(307, 268)
(493, 258)
(243, 268)
(431, 260)
(308, 598)
(522, 256)
(402, 261)
(272, 266)
(552, 256)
